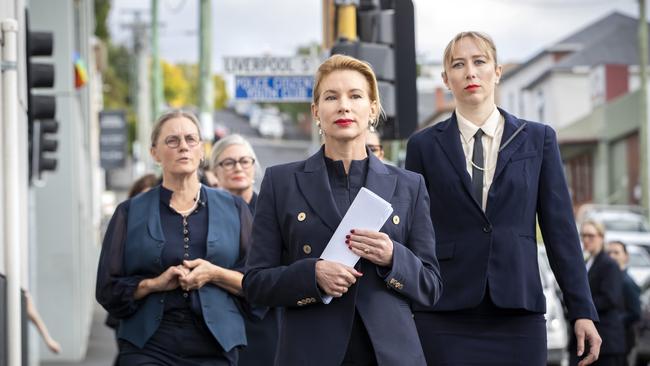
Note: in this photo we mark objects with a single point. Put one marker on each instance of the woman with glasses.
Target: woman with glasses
(170, 266)
(235, 165)
(606, 284)
(301, 204)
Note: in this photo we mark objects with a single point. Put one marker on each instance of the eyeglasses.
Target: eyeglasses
(229, 164)
(174, 141)
(374, 148)
(588, 235)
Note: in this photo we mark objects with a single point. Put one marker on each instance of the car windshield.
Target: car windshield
(629, 225)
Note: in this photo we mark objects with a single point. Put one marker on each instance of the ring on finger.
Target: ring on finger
(366, 250)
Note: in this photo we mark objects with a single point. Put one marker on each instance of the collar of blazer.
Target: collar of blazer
(314, 185)
(449, 140)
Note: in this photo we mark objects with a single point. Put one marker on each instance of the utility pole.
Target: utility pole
(142, 92)
(205, 75)
(643, 105)
(156, 70)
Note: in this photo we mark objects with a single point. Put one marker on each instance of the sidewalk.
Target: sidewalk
(101, 344)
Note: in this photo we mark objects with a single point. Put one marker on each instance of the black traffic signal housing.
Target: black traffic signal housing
(41, 108)
(386, 30)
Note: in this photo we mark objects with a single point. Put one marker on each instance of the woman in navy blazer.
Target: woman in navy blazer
(485, 200)
(301, 204)
(606, 284)
(170, 266)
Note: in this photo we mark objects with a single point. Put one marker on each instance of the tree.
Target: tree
(102, 8)
(220, 92)
(175, 86)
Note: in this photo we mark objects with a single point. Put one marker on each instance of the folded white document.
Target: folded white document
(368, 211)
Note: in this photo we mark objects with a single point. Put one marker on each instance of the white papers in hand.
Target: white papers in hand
(368, 211)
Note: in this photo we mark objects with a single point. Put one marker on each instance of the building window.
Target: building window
(580, 173)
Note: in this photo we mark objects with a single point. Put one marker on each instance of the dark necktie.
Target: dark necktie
(477, 168)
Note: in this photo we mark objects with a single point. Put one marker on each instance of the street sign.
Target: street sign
(112, 139)
(270, 65)
(274, 88)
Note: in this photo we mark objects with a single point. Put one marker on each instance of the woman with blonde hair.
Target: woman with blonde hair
(301, 204)
(490, 176)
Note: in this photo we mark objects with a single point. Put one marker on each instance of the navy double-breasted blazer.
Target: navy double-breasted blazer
(296, 216)
(498, 247)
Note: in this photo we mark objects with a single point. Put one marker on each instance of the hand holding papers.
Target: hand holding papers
(367, 211)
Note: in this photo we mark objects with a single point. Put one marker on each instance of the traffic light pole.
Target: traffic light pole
(643, 105)
(347, 19)
(12, 181)
(205, 75)
(156, 70)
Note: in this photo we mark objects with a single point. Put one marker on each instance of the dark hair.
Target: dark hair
(143, 184)
(619, 243)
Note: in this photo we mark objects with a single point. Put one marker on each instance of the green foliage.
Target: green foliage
(102, 8)
(175, 86)
(220, 92)
(191, 74)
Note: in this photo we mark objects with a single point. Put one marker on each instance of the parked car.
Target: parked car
(271, 126)
(556, 324)
(638, 266)
(628, 224)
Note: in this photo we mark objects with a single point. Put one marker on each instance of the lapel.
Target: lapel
(448, 137)
(315, 187)
(153, 224)
(379, 180)
(510, 126)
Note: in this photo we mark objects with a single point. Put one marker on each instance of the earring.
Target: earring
(320, 131)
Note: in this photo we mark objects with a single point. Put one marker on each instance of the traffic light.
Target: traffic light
(41, 108)
(386, 32)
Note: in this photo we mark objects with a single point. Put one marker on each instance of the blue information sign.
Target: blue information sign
(274, 88)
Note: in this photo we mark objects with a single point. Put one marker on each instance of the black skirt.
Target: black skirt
(484, 336)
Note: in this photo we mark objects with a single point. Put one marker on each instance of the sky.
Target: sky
(520, 28)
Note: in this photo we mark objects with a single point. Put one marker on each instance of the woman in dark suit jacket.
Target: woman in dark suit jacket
(490, 176)
(606, 284)
(170, 262)
(300, 205)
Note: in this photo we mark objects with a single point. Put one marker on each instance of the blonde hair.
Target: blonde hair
(484, 42)
(174, 113)
(600, 228)
(343, 62)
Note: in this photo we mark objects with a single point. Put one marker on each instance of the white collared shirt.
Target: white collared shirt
(492, 134)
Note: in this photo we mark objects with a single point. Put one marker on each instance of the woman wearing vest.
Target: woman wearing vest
(234, 163)
(171, 260)
(369, 321)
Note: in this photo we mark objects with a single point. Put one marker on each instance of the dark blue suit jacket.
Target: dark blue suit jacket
(606, 283)
(498, 246)
(295, 218)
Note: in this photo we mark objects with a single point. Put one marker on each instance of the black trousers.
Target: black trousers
(182, 339)
(360, 351)
(603, 360)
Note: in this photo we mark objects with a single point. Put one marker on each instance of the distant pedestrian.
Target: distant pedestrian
(234, 163)
(373, 143)
(171, 260)
(606, 284)
(631, 295)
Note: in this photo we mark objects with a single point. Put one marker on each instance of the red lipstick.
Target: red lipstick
(472, 87)
(343, 122)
